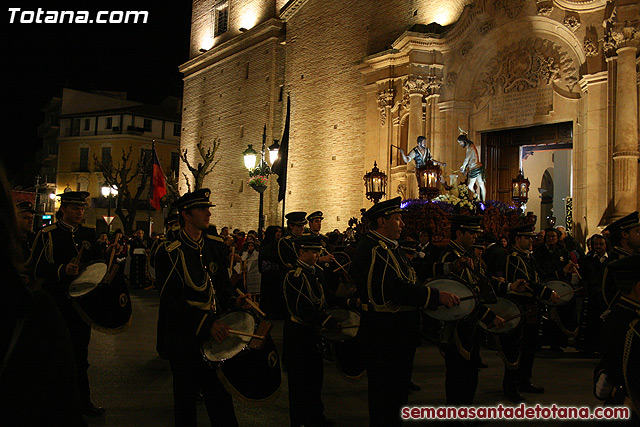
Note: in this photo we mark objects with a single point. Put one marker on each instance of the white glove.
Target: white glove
(603, 387)
(421, 254)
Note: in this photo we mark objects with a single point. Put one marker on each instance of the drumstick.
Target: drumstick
(508, 319)
(246, 334)
(252, 303)
(575, 270)
(570, 292)
(467, 297)
(341, 266)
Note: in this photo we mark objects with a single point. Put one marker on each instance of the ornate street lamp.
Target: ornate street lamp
(259, 174)
(273, 151)
(520, 190)
(109, 192)
(429, 177)
(375, 183)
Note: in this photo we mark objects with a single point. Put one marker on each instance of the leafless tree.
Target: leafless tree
(202, 169)
(124, 177)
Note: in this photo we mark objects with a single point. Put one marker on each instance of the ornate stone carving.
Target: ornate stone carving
(528, 64)
(425, 85)
(619, 34)
(590, 46)
(545, 7)
(511, 7)
(452, 78)
(572, 22)
(466, 47)
(385, 99)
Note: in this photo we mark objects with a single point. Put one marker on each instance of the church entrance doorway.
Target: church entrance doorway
(544, 153)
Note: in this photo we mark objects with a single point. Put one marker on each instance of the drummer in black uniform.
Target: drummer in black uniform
(617, 376)
(54, 263)
(391, 299)
(522, 265)
(194, 291)
(315, 225)
(307, 302)
(625, 238)
(462, 354)
(25, 227)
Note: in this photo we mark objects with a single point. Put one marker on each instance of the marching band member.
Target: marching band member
(194, 290)
(54, 261)
(617, 376)
(25, 227)
(522, 265)
(462, 354)
(625, 238)
(391, 299)
(306, 300)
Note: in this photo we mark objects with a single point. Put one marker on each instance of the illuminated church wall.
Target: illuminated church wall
(366, 75)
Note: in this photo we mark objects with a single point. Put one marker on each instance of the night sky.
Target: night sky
(41, 59)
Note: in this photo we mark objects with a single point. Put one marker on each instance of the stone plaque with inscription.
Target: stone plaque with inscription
(521, 106)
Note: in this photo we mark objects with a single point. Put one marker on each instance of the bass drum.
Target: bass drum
(344, 345)
(107, 308)
(468, 300)
(242, 321)
(88, 279)
(253, 375)
(506, 309)
(562, 288)
(437, 331)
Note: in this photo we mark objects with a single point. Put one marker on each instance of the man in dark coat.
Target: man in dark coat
(194, 292)
(617, 376)
(58, 252)
(391, 298)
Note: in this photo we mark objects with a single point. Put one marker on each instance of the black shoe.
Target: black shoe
(91, 410)
(530, 388)
(414, 387)
(514, 396)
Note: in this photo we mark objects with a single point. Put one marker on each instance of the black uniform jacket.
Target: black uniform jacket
(551, 262)
(54, 247)
(522, 265)
(618, 332)
(387, 286)
(305, 296)
(194, 291)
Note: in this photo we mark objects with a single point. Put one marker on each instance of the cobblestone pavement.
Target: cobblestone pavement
(134, 385)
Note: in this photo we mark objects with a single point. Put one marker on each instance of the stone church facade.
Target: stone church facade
(367, 76)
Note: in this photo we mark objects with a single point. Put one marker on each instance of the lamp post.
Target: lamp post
(375, 183)
(109, 192)
(260, 174)
(429, 177)
(520, 190)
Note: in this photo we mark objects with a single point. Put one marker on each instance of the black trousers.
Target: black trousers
(305, 373)
(80, 334)
(461, 380)
(191, 376)
(525, 344)
(388, 386)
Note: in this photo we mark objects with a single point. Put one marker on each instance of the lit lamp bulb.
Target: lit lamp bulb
(105, 191)
(250, 157)
(273, 151)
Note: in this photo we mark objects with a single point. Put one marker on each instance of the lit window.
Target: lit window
(220, 17)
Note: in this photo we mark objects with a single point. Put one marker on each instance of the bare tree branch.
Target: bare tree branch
(204, 168)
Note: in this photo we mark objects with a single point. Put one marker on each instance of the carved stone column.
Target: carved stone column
(626, 37)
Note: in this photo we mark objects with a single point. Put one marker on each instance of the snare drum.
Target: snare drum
(350, 321)
(506, 309)
(562, 288)
(468, 303)
(88, 279)
(242, 321)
